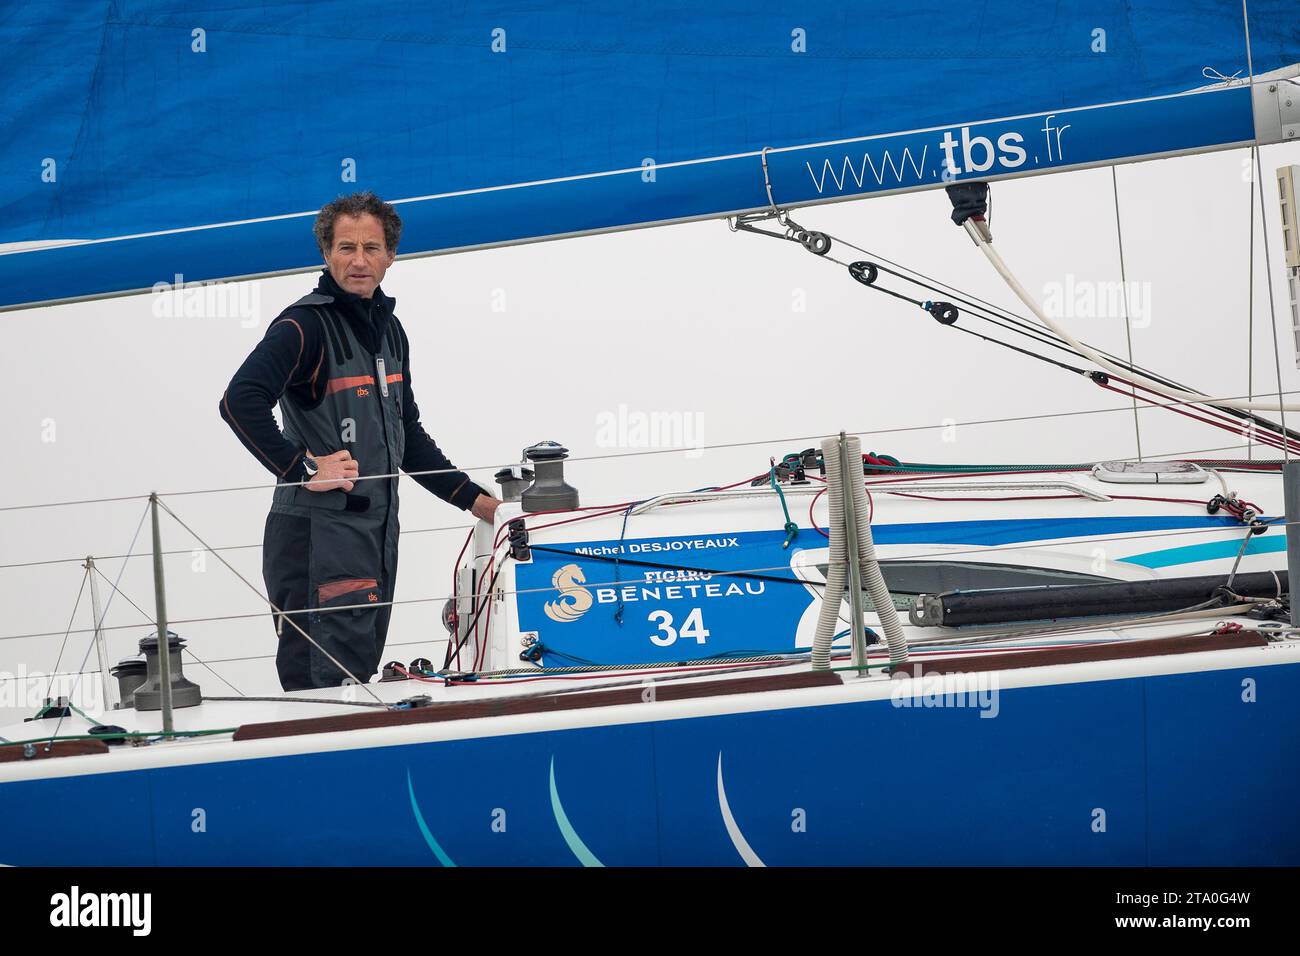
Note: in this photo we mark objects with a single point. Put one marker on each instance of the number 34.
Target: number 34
(693, 626)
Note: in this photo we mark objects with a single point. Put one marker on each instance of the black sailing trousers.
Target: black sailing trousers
(337, 615)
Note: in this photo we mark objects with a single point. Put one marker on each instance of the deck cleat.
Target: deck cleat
(393, 671)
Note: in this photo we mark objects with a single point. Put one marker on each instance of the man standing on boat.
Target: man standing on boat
(338, 363)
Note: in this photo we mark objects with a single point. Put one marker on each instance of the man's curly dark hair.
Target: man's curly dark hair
(357, 204)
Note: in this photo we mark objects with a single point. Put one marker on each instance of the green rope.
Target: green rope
(71, 706)
(909, 467)
(863, 667)
(93, 720)
(893, 465)
(791, 529)
(124, 735)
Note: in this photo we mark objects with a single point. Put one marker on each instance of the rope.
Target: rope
(545, 589)
(1015, 348)
(1221, 423)
(50, 686)
(1232, 575)
(299, 700)
(1250, 312)
(11, 679)
(82, 713)
(1128, 323)
(791, 529)
(1259, 179)
(1272, 310)
(990, 469)
(124, 735)
(936, 309)
(790, 440)
(72, 617)
(108, 604)
(990, 642)
(103, 614)
(707, 665)
(269, 602)
(145, 615)
(622, 536)
(1041, 334)
(190, 551)
(995, 259)
(983, 309)
(1210, 73)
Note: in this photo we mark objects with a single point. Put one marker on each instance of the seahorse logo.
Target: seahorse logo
(574, 599)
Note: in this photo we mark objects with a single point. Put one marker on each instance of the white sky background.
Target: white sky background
(690, 319)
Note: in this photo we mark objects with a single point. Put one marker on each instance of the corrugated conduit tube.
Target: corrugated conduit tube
(837, 570)
(872, 579)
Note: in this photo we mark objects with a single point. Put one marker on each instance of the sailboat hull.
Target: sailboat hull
(1168, 764)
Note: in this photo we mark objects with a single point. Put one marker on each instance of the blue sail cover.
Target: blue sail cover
(197, 139)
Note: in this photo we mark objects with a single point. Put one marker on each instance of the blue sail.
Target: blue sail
(145, 139)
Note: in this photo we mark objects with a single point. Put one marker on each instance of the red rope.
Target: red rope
(454, 645)
(1219, 420)
(813, 521)
(871, 511)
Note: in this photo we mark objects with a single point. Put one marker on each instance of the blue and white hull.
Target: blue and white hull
(1168, 740)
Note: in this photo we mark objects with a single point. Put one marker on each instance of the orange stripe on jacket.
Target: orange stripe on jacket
(327, 592)
(350, 381)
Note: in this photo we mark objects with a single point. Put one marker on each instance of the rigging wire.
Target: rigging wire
(145, 615)
(598, 511)
(193, 551)
(866, 274)
(1215, 420)
(983, 309)
(103, 616)
(151, 735)
(270, 603)
(1259, 179)
(1041, 339)
(91, 643)
(1250, 304)
(483, 599)
(72, 617)
(995, 260)
(1035, 329)
(986, 549)
(1272, 311)
(794, 439)
(930, 642)
(1128, 318)
(12, 678)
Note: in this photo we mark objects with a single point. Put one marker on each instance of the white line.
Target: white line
(638, 169)
(733, 830)
(221, 750)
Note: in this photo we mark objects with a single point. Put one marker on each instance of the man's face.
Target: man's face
(360, 256)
